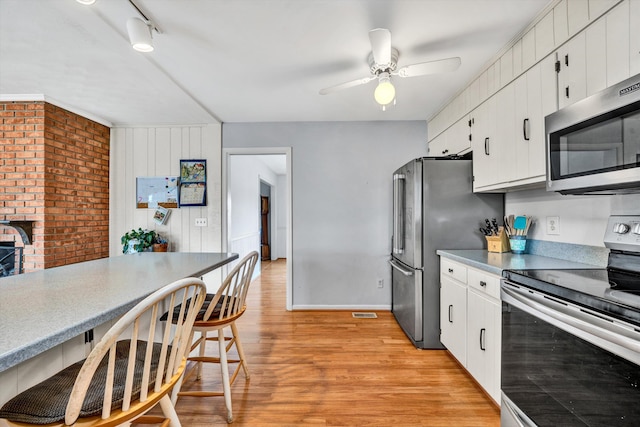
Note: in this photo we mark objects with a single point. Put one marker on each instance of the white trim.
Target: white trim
(226, 220)
(384, 307)
(41, 97)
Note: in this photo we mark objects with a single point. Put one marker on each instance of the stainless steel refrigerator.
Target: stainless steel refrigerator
(434, 208)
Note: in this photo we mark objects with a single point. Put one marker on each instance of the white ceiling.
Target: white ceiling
(245, 60)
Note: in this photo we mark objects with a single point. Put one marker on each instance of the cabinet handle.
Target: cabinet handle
(486, 146)
(450, 317)
(526, 129)
(566, 60)
(483, 283)
(566, 91)
(483, 333)
(451, 270)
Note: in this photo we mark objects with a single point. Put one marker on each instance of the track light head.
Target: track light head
(139, 35)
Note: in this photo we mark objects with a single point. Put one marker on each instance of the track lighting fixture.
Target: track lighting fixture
(139, 35)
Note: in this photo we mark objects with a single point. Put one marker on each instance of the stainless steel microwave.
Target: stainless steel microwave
(593, 146)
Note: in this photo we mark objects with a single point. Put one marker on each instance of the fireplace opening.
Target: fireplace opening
(10, 259)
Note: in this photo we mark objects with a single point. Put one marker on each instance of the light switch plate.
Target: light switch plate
(201, 222)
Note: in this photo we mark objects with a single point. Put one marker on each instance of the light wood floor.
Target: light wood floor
(325, 368)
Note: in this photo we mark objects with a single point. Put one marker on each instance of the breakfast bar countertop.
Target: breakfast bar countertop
(42, 309)
(495, 263)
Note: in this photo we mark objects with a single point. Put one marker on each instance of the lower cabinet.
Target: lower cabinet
(470, 321)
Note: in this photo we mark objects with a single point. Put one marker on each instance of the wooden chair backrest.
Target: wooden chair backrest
(142, 323)
(233, 291)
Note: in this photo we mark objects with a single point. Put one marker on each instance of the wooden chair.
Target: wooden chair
(222, 310)
(121, 379)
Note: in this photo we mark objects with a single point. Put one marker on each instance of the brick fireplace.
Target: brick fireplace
(54, 172)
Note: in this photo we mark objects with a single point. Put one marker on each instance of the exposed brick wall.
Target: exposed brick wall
(54, 170)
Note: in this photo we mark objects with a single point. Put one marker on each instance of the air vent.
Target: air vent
(365, 315)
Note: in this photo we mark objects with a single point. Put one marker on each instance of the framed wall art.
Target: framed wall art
(193, 183)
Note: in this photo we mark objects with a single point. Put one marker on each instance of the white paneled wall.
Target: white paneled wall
(157, 151)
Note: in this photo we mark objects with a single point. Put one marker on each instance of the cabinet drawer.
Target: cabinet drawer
(486, 283)
(454, 270)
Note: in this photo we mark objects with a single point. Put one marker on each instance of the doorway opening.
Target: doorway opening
(256, 206)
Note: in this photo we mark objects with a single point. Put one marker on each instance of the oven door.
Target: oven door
(563, 365)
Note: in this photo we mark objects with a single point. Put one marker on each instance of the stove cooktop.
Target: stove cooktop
(613, 292)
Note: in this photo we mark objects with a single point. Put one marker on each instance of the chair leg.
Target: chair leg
(226, 386)
(243, 361)
(203, 344)
(169, 411)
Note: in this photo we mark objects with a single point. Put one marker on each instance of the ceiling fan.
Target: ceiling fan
(383, 61)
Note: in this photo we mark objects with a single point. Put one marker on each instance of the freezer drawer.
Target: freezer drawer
(407, 299)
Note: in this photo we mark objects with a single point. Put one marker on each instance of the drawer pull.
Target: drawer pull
(483, 283)
(451, 270)
(483, 333)
(450, 309)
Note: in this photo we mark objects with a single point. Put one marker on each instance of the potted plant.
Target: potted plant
(160, 244)
(137, 241)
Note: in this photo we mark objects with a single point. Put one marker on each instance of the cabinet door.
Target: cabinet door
(634, 29)
(572, 84)
(483, 342)
(453, 318)
(505, 144)
(535, 153)
(438, 144)
(485, 163)
(618, 43)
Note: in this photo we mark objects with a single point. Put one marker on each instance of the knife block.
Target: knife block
(499, 243)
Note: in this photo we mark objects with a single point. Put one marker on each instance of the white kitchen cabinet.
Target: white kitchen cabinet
(483, 341)
(545, 43)
(485, 154)
(617, 43)
(572, 75)
(634, 37)
(470, 321)
(560, 23)
(454, 140)
(453, 317)
(506, 67)
(578, 15)
(596, 65)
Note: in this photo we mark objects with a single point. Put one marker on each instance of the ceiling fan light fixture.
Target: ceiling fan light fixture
(139, 35)
(385, 92)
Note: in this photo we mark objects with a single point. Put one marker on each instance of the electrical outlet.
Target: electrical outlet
(381, 283)
(201, 222)
(553, 225)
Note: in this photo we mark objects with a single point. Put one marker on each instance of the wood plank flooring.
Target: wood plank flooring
(325, 368)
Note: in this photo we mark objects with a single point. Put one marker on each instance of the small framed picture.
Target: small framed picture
(193, 183)
(161, 214)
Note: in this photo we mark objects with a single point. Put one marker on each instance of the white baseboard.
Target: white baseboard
(343, 307)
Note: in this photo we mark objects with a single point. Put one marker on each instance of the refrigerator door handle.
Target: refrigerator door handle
(401, 269)
(398, 213)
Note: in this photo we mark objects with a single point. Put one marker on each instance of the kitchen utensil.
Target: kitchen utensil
(484, 231)
(494, 224)
(520, 224)
(486, 220)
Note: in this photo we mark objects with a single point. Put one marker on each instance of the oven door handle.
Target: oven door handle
(595, 329)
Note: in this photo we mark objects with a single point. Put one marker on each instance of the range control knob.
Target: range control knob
(621, 228)
(636, 228)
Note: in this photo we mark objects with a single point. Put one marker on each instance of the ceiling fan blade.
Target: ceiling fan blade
(346, 85)
(431, 67)
(380, 39)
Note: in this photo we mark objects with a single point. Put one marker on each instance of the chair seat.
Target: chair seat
(46, 402)
(215, 314)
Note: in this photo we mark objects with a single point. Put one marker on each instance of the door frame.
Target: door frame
(226, 220)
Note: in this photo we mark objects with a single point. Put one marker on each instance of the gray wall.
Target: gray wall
(341, 173)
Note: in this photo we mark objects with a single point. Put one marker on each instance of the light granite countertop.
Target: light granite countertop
(45, 308)
(497, 262)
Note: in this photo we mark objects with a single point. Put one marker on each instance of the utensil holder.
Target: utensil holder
(518, 244)
(499, 243)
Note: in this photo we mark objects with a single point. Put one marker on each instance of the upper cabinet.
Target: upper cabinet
(575, 49)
